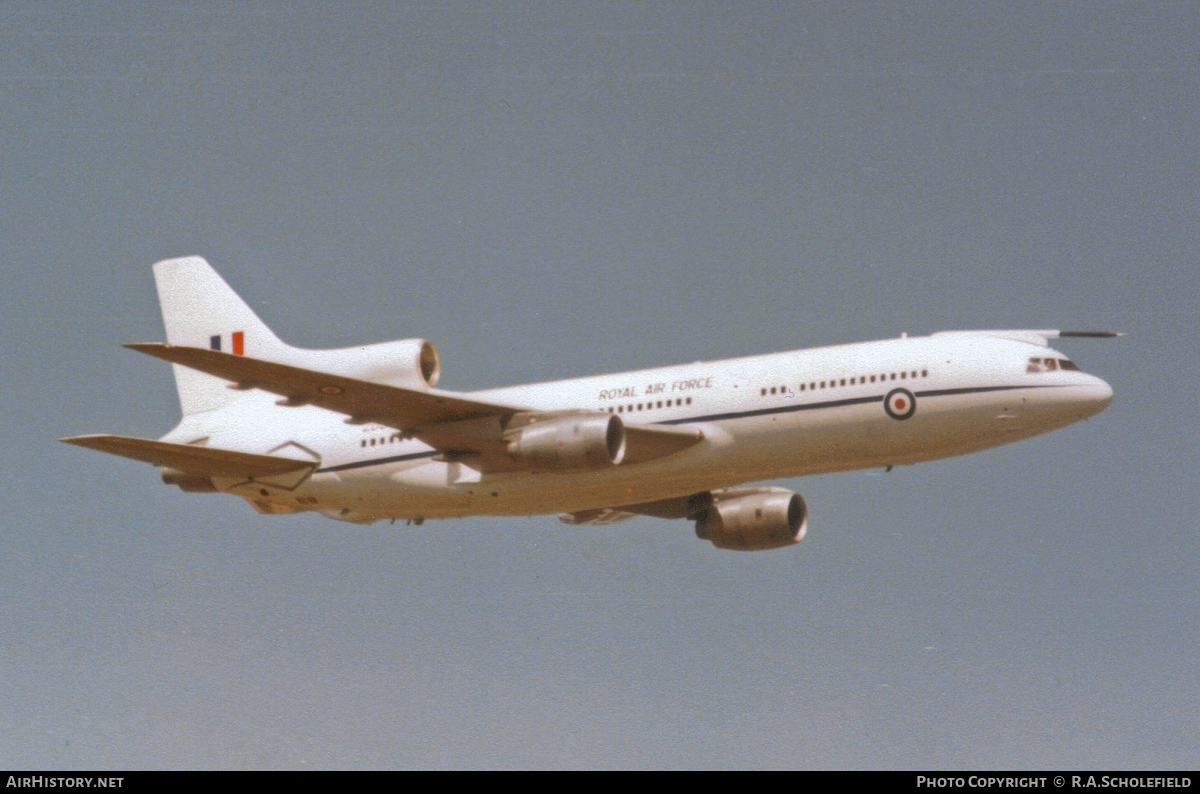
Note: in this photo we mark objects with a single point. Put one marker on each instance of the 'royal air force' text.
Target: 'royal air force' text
(653, 389)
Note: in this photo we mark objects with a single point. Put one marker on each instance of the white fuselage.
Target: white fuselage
(778, 415)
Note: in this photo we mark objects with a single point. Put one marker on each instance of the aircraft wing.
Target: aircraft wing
(458, 426)
(363, 401)
(1033, 336)
(596, 518)
(678, 507)
(204, 461)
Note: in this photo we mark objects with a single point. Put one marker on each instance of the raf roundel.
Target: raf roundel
(900, 404)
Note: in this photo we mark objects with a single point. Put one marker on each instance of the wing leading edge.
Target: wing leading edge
(362, 401)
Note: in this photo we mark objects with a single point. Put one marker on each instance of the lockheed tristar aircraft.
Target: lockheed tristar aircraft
(362, 433)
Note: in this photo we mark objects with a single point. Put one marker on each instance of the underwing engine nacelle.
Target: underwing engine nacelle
(574, 442)
(753, 519)
(192, 483)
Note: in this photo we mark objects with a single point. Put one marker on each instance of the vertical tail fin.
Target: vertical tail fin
(200, 310)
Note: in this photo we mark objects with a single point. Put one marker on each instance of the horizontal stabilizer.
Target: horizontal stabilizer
(204, 461)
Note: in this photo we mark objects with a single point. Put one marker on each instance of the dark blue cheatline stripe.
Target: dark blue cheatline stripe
(975, 389)
(359, 464)
(783, 409)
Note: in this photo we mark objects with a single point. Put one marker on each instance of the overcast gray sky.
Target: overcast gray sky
(548, 191)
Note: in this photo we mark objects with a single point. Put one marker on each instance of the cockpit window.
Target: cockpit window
(1050, 364)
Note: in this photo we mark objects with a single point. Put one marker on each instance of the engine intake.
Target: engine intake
(578, 442)
(408, 363)
(753, 519)
(405, 362)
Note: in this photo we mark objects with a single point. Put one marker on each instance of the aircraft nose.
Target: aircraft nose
(1094, 396)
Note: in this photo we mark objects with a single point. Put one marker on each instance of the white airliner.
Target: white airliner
(362, 434)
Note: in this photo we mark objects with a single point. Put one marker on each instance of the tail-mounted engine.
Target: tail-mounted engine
(410, 363)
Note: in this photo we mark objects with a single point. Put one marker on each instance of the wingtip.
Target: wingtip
(155, 349)
(1091, 334)
(83, 441)
(189, 261)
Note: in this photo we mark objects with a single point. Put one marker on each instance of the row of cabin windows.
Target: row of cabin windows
(856, 381)
(370, 442)
(680, 401)
(624, 409)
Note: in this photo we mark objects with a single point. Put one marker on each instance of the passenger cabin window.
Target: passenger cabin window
(858, 380)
